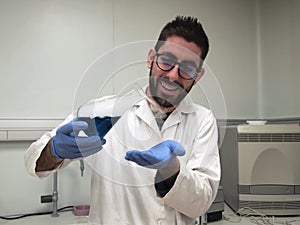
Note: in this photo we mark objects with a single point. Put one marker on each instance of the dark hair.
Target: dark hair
(188, 28)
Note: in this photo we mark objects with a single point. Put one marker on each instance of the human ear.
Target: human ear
(150, 57)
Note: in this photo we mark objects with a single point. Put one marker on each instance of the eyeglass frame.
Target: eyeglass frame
(179, 65)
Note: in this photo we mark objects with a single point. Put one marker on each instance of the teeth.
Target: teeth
(168, 86)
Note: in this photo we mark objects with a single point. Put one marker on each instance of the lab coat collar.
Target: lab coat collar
(186, 107)
(144, 112)
(176, 116)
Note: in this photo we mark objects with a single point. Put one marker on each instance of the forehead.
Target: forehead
(181, 49)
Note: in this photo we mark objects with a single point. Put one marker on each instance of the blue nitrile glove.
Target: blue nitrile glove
(160, 156)
(67, 145)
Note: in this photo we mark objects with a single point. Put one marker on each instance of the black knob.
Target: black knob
(46, 198)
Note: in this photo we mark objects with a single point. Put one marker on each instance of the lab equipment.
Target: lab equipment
(81, 213)
(81, 167)
(81, 210)
(215, 211)
(52, 198)
(67, 145)
(101, 114)
(98, 126)
(111, 106)
(160, 156)
(260, 168)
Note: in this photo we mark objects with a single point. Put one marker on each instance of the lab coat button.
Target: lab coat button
(160, 222)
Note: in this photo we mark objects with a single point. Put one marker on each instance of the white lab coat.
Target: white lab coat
(123, 192)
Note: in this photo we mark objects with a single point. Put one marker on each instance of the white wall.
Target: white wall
(280, 51)
(46, 46)
(20, 192)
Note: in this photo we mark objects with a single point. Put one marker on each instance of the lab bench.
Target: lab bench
(67, 218)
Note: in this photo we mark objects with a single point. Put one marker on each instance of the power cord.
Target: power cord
(14, 217)
(257, 218)
(232, 218)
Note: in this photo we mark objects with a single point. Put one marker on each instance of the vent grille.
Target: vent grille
(269, 137)
(270, 205)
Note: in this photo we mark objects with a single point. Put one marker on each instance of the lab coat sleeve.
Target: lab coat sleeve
(35, 149)
(197, 183)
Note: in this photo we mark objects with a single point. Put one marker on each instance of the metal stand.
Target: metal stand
(52, 198)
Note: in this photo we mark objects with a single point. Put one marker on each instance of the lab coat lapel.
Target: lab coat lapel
(176, 116)
(172, 120)
(146, 115)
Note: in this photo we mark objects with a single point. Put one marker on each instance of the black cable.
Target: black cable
(63, 209)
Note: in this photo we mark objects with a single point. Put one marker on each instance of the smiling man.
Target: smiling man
(174, 68)
(159, 164)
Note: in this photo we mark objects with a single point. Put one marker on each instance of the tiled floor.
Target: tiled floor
(229, 218)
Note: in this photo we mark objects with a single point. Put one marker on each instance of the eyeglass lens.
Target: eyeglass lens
(185, 70)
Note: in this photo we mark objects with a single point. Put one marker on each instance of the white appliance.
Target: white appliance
(261, 168)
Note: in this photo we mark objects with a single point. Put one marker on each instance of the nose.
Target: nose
(173, 73)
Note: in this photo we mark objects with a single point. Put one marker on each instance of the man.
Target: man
(159, 164)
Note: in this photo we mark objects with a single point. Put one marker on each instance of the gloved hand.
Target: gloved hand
(67, 145)
(160, 156)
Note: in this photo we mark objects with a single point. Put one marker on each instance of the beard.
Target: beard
(167, 93)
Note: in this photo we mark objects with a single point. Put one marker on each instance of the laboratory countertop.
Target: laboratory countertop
(64, 218)
(229, 218)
